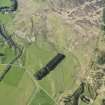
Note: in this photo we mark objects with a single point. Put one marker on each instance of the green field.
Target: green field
(36, 56)
(16, 94)
(20, 80)
(5, 18)
(42, 98)
(5, 3)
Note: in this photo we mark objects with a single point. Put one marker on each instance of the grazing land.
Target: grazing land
(41, 29)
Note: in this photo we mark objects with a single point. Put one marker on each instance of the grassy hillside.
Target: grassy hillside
(44, 32)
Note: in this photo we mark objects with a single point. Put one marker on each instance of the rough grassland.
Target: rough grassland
(53, 35)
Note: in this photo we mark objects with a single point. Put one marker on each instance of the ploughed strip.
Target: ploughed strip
(50, 66)
(1, 54)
